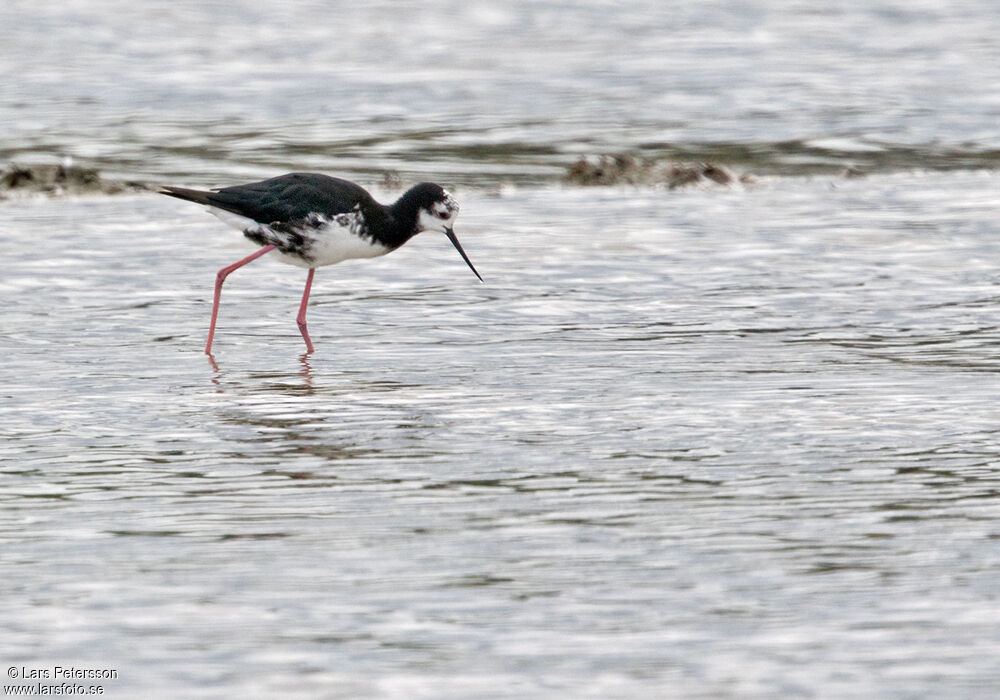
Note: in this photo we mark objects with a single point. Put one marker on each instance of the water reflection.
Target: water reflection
(306, 372)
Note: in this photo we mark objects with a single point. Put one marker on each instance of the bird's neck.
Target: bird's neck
(382, 226)
(403, 213)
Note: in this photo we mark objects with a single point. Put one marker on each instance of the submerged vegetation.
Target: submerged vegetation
(629, 169)
(63, 179)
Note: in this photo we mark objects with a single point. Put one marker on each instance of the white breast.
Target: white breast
(335, 242)
(324, 241)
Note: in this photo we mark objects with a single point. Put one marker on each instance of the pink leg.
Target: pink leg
(220, 277)
(301, 318)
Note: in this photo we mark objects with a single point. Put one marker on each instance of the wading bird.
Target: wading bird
(313, 220)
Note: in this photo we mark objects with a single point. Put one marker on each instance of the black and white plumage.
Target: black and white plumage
(312, 220)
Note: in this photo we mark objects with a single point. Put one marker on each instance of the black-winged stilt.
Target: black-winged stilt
(313, 220)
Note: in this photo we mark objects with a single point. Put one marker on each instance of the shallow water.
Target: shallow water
(479, 92)
(722, 443)
(714, 442)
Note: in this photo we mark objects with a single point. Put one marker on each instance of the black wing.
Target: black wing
(285, 198)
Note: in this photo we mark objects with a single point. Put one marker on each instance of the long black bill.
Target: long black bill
(450, 233)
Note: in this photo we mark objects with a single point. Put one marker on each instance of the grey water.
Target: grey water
(700, 443)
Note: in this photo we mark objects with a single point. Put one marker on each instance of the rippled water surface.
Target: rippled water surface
(727, 443)
(704, 443)
(485, 91)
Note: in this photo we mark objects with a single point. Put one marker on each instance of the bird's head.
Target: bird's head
(437, 211)
(436, 208)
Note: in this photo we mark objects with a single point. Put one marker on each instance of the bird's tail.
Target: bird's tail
(199, 196)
